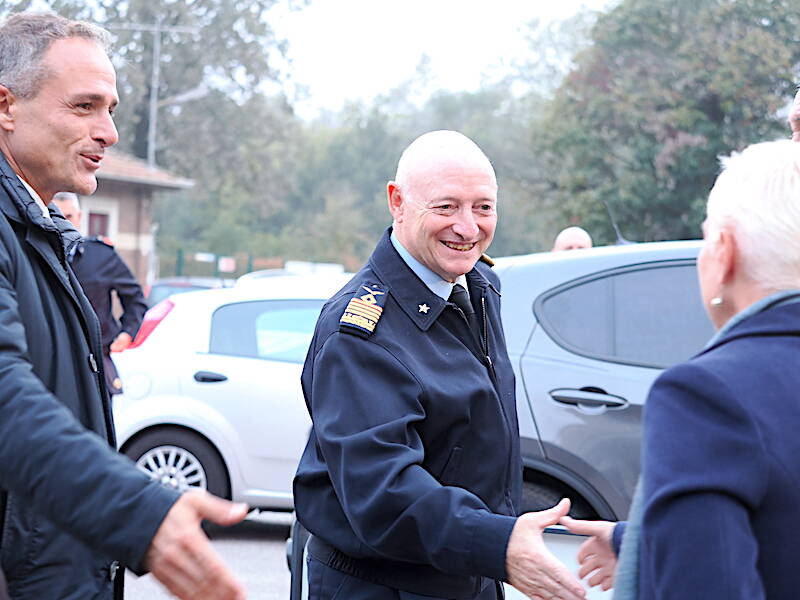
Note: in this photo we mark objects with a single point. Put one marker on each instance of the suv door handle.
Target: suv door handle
(209, 377)
(585, 398)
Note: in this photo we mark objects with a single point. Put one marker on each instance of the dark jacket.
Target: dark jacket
(72, 504)
(100, 270)
(413, 465)
(721, 468)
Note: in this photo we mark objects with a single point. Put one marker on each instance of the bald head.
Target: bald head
(431, 150)
(70, 207)
(572, 238)
(443, 201)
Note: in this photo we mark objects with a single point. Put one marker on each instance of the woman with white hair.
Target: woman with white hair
(717, 512)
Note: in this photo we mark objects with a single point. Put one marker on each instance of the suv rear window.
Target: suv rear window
(646, 315)
(267, 329)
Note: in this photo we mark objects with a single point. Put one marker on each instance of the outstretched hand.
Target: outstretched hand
(180, 555)
(531, 567)
(596, 555)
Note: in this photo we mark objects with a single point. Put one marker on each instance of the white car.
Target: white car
(212, 395)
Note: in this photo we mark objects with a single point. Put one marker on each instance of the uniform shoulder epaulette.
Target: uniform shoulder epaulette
(364, 310)
(487, 259)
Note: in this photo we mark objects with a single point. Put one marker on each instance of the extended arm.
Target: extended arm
(74, 478)
(364, 421)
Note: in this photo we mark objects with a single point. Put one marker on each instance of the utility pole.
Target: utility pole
(155, 73)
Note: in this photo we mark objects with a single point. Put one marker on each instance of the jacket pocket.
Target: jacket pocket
(452, 467)
(19, 539)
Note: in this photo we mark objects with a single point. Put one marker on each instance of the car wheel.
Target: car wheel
(536, 496)
(180, 460)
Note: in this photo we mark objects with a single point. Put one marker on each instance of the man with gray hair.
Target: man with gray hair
(71, 508)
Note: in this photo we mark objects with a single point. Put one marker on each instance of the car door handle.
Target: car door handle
(586, 398)
(209, 377)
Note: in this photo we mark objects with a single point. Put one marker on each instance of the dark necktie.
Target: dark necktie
(460, 298)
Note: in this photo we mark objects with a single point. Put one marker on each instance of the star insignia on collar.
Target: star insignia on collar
(424, 308)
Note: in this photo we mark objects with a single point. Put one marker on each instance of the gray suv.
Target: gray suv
(588, 331)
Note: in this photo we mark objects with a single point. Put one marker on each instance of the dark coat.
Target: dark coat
(413, 465)
(100, 270)
(721, 465)
(72, 504)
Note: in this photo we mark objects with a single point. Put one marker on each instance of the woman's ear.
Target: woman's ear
(728, 256)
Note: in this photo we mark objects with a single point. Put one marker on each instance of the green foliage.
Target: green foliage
(665, 87)
(628, 109)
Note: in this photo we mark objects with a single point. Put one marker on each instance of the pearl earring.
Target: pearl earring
(717, 301)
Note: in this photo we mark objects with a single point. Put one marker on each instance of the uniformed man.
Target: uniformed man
(410, 481)
(100, 270)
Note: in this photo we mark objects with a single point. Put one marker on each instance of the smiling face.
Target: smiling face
(446, 213)
(56, 139)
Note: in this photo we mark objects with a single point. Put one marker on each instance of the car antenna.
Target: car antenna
(620, 239)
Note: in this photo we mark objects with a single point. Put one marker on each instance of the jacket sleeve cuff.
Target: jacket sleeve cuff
(616, 536)
(488, 543)
(155, 505)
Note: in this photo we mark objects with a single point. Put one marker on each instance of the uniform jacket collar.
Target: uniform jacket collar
(421, 305)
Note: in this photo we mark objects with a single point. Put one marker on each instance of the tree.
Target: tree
(664, 88)
(224, 44)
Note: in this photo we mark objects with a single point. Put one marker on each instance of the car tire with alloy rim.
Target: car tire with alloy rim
(179, 459)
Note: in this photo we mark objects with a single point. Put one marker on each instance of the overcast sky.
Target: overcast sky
(356, 49)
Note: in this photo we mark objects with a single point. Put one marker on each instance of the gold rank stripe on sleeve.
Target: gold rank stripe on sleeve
(363, 310)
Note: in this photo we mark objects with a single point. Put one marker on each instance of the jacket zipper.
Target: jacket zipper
(493, 375)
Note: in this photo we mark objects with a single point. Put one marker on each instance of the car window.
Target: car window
(651, 316)
(268, 329)
(160, 292)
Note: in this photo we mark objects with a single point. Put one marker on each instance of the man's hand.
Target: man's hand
(531, 567)
(180, 555)
(597, 553)
(794, 118)
(122, 341)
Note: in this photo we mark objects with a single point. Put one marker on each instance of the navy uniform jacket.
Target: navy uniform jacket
(721, 466)
(413, 465)
(99, 269)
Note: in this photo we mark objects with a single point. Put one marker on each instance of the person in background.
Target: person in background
(411, 479)
(71, 508)
(572, 238)
(100, 270)
(717, 511)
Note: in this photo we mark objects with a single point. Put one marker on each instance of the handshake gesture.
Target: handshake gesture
(531, 567)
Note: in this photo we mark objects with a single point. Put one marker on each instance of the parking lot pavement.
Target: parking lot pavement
(255, 550)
